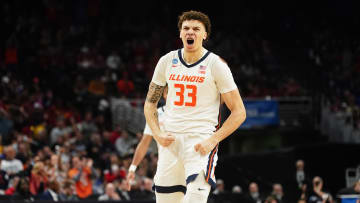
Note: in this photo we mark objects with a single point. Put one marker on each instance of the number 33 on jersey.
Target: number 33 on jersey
(193, 91)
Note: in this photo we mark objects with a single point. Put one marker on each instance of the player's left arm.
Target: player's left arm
(231, 97)
(141, 149)
(237, 116)
(139, 155)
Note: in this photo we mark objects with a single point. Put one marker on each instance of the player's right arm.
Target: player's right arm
(151, 115)
(155, 92)
(150, 108)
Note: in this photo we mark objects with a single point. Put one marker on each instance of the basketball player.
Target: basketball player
(196, 78)
(144, 144)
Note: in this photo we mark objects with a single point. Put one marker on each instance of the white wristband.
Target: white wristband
(132, 168)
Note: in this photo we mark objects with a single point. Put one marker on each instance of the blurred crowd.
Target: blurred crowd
(62, 61)
(90, 47)
(47, 147)
(337, 59)
(303, 187)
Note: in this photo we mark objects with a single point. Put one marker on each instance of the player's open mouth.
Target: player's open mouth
(190, 41)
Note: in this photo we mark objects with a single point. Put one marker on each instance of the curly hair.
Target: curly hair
(196, 15)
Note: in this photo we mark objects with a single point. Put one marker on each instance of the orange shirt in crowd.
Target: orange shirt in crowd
(83, 185)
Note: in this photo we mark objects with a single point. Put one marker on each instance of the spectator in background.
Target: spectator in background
(220, 187)
(85, 58)
(12, 186)
(124, 144)
(68, 192)
(354, 189)
(38, 179)
(23, 191)
(88, 126)
(318, 194)
(114, 169)
(52, 192)
(64, 157)
(253, 196)
(4, 180)
(98, 182)
(81, 174)
(125, 86)
(236, 189)
(80, 89)
(300, 173)
(113, 61)
(114, 173)
(146, 192)
(59, 130)
(97, 87)
(121, 189)
(106, 142)
(24, 151)
(115, 134)
(100, 121)
(55, 169)
(6, 123)
(95, 146)
(271, 199)
(301, 178)
(301, 200)
(11, 165)
(110, 194)
(138, 71)
(278, 193)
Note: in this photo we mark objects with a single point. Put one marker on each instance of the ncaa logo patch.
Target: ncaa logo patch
(174, 62)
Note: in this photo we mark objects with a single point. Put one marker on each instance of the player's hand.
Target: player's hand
(129, 178)
(205, 146)
(164, 139)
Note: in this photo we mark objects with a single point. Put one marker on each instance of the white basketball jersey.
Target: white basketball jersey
(161, 116)
(193, 99)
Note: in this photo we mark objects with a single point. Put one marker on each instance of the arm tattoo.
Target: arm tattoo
(154, 93)
(156, 116)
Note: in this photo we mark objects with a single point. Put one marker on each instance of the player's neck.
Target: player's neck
(191, 57)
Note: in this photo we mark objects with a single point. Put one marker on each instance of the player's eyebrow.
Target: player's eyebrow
(194, 27)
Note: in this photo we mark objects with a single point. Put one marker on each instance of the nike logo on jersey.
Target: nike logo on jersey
(201, 189)
(186, 78)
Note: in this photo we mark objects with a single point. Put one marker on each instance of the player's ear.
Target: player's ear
(205, 36)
